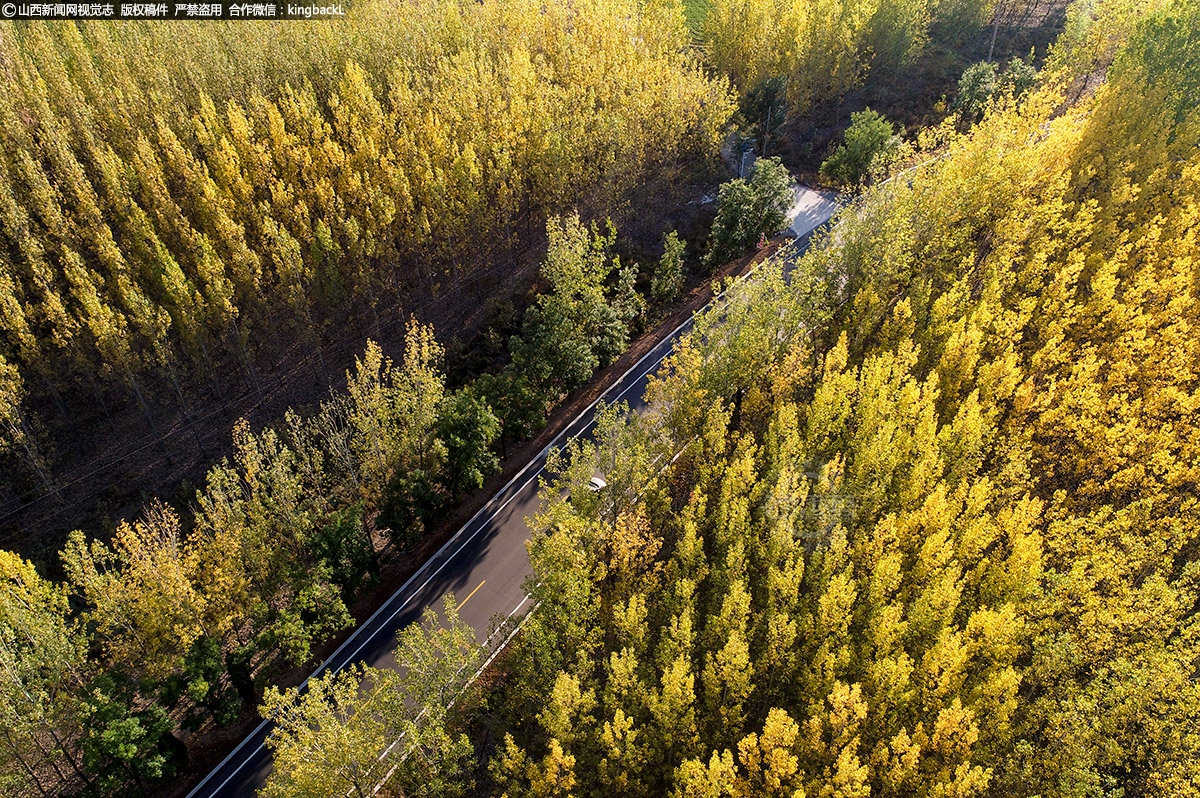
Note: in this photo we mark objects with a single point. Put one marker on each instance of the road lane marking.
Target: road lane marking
(473, 592)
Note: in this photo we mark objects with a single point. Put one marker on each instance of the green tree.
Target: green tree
(976, 88)
(374, 416)
(412, 502)
(439, 658)
(352, 729)
(42, 667)
(1018, 78)
(667, 279)
(328, 739)
(765, 107)
(203, 681)
(984, 83)
(747, 210)
(343, 544)
(867, 145)
(140, 599)
(517, 403)
(467, 427)
(314, 611)
(574, 328)
(127, 742)
(628, 311)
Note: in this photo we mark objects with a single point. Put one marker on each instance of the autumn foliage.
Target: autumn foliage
(166, 222)
(932, 527)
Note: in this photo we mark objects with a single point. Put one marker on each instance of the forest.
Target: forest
(915, 515)
(914, 511)
(181, 228)
(204, 223)
(933, 526)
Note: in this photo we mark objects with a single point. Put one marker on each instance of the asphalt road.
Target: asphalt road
(484, 564)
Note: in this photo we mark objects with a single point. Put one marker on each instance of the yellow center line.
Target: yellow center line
(473, 592)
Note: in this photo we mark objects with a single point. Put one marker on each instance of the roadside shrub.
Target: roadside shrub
(867, 146)
(747, 210)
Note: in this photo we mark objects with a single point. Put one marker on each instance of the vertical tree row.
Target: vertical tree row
(818, 52)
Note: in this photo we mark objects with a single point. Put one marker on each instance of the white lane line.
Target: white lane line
(364, 626)
(517, 608)
(387, 776)
(482, 668)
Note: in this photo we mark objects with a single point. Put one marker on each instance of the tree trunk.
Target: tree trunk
(137, 392)
(17, 753)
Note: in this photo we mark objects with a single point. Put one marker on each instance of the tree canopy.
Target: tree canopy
(931, 527)
(178, 207)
